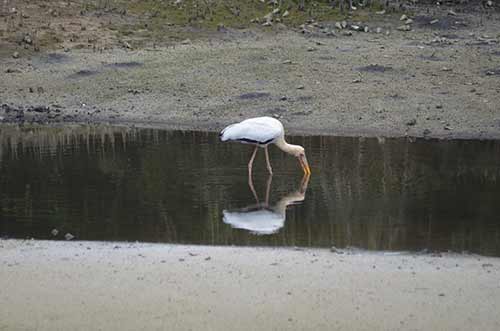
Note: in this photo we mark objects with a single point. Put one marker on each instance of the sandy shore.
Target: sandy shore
(110, 286)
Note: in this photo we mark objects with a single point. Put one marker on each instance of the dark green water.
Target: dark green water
(105, 183)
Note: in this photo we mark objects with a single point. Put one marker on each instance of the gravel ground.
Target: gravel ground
(438, 80)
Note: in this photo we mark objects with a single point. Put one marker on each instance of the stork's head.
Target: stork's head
(300, 154)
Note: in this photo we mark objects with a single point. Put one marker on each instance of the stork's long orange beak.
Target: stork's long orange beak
(304, 164)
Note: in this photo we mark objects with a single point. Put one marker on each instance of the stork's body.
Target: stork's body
(262, 131)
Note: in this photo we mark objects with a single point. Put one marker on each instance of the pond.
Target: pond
(149, 185)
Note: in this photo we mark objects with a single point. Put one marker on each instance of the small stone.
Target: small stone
(338, 26)
(27, 39)
(357, 80)
(409, 21)
(343, 24)
(287, 62)
(347, 33)
(378, 30)
(412, 122)
(283, 98)
(267, 23)
(404, 28)
(54, 232)
(366, 29)
(447, 128)
(319, 43)
(15, 55)
(355, 27)
(434, 21)
(186, 42)
(276, 11)
(66, 49)
(452, 13)
(69, 236)
(300, 87)
(311, 49)
(403, 17)
(285, 14)
(126, 44)
(489, 3)
(446, 69)
(381, 12)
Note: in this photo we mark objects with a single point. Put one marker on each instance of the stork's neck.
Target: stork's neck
(286, 147)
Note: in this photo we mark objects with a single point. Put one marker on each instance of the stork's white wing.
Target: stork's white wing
(261, 130)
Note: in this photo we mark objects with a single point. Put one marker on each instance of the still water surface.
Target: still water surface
(112, 183)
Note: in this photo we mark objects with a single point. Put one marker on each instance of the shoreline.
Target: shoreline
(154, 286)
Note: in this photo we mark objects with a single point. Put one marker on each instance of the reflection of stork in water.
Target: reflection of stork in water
(262, 218)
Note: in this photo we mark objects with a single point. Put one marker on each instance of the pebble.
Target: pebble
(404, 28)
(409, 21)
(69, 236)
(343, 24)
(403, 17)
(287, 62)
(15, 55)
(311, 49)
(412, 122)
(378, 30)
(300, 87)
(452, 13)
(54, 232)
(186, 42)
(338, 26)
(285, 14)
(434, 21)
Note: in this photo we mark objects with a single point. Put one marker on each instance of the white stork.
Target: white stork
(262, 131)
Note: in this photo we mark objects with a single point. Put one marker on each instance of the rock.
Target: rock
(13, 71)
(489, 3)
(283, 98)
(434, 21)
(381, 12)
(268, 23)
(403, 17)
(69, 236)
(355, 27)
(366, 29)
(268, 17)
(285, 14)
(452, 13)
(15, 55)
(221, 27)
(311, 49)
(404, 28)
(343, 24)
(446, 69)
(378, 30)
(338, 26)
(54, 232)
(300, 87)
(409, 21)
(186, 42)
(412, 122)
(347, 33)
(276, 11)
(448, 128)
(66, 49)
(357, 80)
(126, 44)
(287, 62)
(27, 39)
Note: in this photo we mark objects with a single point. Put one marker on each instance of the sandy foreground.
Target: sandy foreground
(109, 286)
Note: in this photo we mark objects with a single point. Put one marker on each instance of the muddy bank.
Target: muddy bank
(437, 80)
(93, 285)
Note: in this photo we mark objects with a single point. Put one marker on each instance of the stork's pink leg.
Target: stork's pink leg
(267, 160)
(250, 163)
